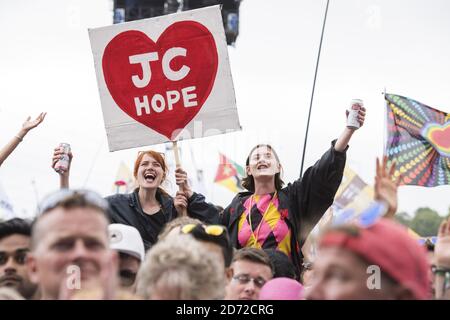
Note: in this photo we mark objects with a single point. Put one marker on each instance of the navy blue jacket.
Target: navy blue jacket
(126, 209)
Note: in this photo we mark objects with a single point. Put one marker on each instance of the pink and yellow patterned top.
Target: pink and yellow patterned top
(269, 229)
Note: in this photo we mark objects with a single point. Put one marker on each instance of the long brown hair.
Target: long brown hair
(249, 182)
(159, 157)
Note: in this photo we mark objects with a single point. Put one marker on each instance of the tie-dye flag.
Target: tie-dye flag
(419, 141)
(229, 174)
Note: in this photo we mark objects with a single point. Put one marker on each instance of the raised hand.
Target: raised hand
(343, 140)
(30, 124)
(361, 116)
(181, 179)
(180, 202)
(57, 153)
(386, 186)
(64, 175)
(27, 126)
(442, 247)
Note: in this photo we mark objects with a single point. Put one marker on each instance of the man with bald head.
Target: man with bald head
(70, 251)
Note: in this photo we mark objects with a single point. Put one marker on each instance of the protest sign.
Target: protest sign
(164, 78)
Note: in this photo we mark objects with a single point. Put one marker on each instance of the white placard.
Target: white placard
(164, 79)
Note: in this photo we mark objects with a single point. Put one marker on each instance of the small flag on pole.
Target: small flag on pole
(229, 174)
(124, 181)
(419, 141)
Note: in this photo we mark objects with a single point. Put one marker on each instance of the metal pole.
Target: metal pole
(314, 86)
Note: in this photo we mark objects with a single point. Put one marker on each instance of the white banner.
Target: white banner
(164, 78)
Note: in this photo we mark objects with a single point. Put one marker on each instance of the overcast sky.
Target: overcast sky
(46, 64)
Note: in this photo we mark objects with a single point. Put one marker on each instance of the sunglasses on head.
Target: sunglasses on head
(57, 198)
(213, 230)
(162, 154)
(426, 240)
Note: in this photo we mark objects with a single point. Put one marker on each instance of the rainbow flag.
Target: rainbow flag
(229, 174)
(419, 141)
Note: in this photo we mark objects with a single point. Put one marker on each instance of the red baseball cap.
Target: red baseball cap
(388, 245)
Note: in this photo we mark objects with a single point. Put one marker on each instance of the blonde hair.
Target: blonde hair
(179, 268)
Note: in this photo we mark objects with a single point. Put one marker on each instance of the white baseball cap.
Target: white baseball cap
(126, 239)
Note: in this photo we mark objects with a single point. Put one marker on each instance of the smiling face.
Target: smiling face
(150, 173)
(263, 163)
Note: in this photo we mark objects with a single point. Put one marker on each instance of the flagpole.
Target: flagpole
(313, 88)
(94, 161)
(178, 165)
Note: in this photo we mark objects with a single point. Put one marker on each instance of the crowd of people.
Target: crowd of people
(150, 245)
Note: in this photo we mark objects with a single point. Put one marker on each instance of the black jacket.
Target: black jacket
(126, 209)
(303, 202)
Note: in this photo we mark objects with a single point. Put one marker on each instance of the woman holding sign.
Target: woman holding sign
(272, 216)
(148, 208)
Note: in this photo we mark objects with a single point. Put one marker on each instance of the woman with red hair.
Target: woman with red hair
(148, 208)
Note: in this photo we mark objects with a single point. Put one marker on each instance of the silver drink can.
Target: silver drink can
(352, 119)
(63, 163)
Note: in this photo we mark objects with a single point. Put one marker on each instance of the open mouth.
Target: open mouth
(262, 166)
(149, 177)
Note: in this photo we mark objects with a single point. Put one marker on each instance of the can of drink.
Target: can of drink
(63, 163)
(352, 119)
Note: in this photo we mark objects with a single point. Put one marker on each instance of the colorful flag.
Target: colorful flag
(419, 141)
(353, 193)
(229, 174)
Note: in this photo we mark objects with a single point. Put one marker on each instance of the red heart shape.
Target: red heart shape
(441, 137)
(201, 59)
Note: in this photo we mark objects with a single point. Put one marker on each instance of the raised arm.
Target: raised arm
(14, 142)
(314, 192)
(346, 135)
(386, 186)
(197, 207)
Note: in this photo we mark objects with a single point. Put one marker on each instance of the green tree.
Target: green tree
(426, 222)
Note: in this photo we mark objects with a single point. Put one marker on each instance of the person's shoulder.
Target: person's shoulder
(119, 198)
(164, 198)
(241, 196)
